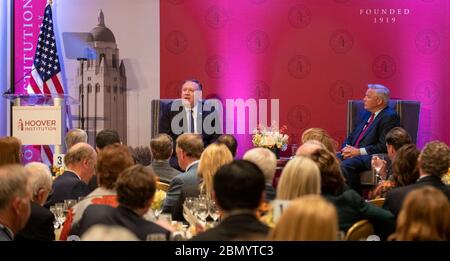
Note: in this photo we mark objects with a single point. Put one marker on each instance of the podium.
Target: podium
(39, 119)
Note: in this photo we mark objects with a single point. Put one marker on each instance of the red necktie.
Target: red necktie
(366, 127)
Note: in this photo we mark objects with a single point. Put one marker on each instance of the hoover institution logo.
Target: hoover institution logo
(384, 15)
(36, 125)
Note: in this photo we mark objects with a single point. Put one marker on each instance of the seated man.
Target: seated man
(40, 225)
(73, 183)
(238, 191)
(135, 188)
(192, 114)
(161, 147)
(267, 163)
(368, 137)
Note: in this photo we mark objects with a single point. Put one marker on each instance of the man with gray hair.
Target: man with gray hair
(80, 164)
(267, 163)
(40, 225)
(15, 199)
(75, 136)
(368, 137)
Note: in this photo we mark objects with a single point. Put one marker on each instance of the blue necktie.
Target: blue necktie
(192, 121)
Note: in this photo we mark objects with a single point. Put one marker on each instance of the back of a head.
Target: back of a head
(135, 186)
(404, 166)
(161, 147)
(191, 144)
(229, 141)
(309, 147)
(39, 176)
(265, 159)
(397, 137)
(75, 136)
(300, 177)
(435, 158)
(239, 185)
(308, 218)
(320, 135)
(425, 215)
(10, 150)
(111, 161)
(330, 172)
(106, 137)
(381, 91)
(78, 153)
(108, 233)
(212, 158)
(14, 183)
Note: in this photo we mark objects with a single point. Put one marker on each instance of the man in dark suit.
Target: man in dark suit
(238, 190)
(190, 115)
(368, 137)
(135, 187)
(161, 147)
(433, 163)
(80, 164)
(15, 199)
(40, 225)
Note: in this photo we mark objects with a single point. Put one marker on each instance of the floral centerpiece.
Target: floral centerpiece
(272, 138)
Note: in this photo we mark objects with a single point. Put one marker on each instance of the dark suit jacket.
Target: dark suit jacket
(374, 138)
(235, 227)
(395, 197)
(120, 216)
(67, 186)
(39, 226)
(167, 115)
(164, 171)
(351, 208)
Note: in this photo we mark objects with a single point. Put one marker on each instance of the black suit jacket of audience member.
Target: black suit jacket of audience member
(374, 138)
(235, 227)
(39, 226)
(166, 116)
(67, 186)
(395, 197)
(120, 216)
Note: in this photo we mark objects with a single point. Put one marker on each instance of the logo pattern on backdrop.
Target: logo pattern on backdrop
(300, 16)
(258, 42)
(427, 41)
(299, 66)
(299, 116)
(427, 92)
(341, 91)
(216, 17)
(341, 41)
(176, 42)
(216, 67)
(384, 66)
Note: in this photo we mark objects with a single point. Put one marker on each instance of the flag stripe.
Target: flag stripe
(57, 84)
(48, 153)
(34, 86)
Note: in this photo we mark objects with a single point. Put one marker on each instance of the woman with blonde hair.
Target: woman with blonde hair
(425, 215)
(320, 135)
(10, 150)
(213, 157)
(309, 218)
(300, 176)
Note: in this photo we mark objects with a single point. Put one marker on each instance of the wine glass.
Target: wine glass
(377, 164)
(202, 210)
(214, 211)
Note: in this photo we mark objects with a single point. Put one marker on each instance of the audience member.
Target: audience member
(405, 171)
(10, 150)
(267, 162)
(425, 216)
(368, 137)
(351, 207)
(310, 146)
(80, 167)
(40, 225)
(108, 233)
(135, 188)
(75, 136)
(309, 218)
(433, 163)
(229, 141)
(15, 196)
(189, 149)
(320, 135)
(300, 177)
(111, 161)
(238, 190)
(161, 147)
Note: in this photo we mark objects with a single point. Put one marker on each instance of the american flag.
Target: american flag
(46, 72)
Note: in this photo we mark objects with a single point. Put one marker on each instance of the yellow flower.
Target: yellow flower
(158, 199)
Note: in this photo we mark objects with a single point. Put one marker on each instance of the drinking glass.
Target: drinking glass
(202, 210)
(377, 164)
(214, 210)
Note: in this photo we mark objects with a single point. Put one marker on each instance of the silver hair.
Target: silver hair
(39, 177)
(264, 159)
(381, 91)
(75, 136)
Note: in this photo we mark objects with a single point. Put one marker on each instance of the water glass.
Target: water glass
(378, 161)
